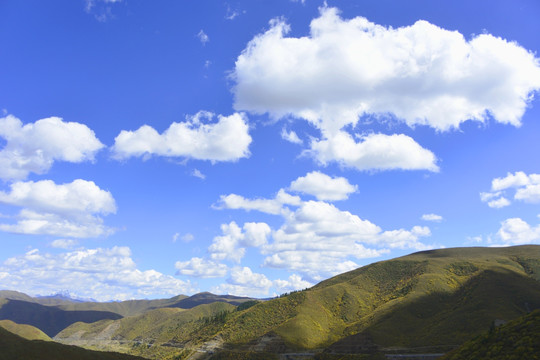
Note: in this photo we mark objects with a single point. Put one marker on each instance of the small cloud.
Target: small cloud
(432, 217)
(203, 37)
(207, 64)
(499, 203)
(188, 237)
(185, 238)
(198, 174)
(201, 268)
(65, 244)
(101, 9)
(291, 136)
(474, 240)
(231, 13)
(324, 187)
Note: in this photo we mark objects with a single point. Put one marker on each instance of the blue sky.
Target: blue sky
(156, 148)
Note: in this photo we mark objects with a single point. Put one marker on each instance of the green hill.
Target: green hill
(151, 334)
(518, 339)
(25, 331)
(438, 298)
(15, 347)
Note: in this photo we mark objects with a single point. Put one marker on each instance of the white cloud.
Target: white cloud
(499, 203)
(294, 282)
(530, 193)
(203, 37)
(269, 206)
(231, 13)
(516, 180)
(323, 187)
(232, 244)
(78, 196)
(101, 273)
(245, 277)
(34, 147)
(227, 139)
(197, 173)
(515, 231)
(374, 152)
(432, 217)
(255, 234)
(34, 223)
(91, 3)
(244, 282)
(349, 68)
(188, 237)
(527, 189)
(291, 136)
(199, 267)
(225, 247)
(405, 239)
(65, 244)
(318, 240)
(421, 73)
(72, 210)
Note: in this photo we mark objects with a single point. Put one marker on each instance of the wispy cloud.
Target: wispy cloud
(203, 38)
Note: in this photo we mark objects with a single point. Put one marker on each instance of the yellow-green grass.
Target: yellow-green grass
(433, 298)
(25, 331)
(15, 347)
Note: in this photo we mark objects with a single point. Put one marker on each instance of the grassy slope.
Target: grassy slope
(439, 297)
(133, 334)
(16, 347)
(518, 339)
(25, 331)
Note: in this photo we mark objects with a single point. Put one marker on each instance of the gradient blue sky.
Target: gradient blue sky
(156, 148)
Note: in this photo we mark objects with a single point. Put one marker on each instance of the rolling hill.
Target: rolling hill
(427, 301)
(15, 347)
(28, 332)
(151, 334)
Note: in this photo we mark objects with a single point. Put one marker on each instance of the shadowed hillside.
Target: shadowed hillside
(518, 339)
(15, 347)
(208, 298)
(48, 319)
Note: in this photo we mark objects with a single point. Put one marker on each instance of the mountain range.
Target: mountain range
(430, 301)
